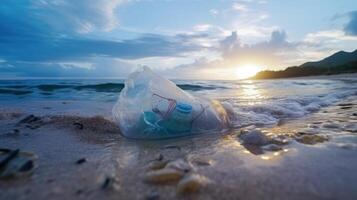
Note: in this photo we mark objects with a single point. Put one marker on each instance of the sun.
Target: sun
(246, 71)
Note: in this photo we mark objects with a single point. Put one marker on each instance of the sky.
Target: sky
(181, 39)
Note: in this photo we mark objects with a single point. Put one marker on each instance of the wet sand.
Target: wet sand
(113, 167)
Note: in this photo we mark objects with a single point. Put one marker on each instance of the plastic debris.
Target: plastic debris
(151, 106)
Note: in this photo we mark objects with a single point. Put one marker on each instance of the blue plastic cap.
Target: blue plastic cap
(183, 107)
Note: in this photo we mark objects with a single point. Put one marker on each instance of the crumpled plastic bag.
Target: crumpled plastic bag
(152, 107)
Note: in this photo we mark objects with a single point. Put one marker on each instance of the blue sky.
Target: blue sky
(181, 39)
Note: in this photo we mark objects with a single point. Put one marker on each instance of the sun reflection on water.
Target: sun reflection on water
(250, 91)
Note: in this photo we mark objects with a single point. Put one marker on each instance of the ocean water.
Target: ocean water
(256, 102)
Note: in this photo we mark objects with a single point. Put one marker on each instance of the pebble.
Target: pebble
(272, 147)
(153, 196)
(191, 183)
(81, 161)
(279, 141)
(180, 165)
(308, 131)
(173, 147)
(29, 119)
(311, 139)
(156, 164)
(254, 137)
(331, 125)
(351, 128)
(202, 161)
(163, 176)
(313, 126)
(108, 182)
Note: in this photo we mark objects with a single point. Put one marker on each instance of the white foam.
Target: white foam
(272, 111)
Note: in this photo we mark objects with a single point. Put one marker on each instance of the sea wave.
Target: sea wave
(100, 87)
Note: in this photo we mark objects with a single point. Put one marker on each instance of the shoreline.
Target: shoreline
(115, 166)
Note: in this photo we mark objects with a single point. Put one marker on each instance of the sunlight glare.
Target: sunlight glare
(246, 71)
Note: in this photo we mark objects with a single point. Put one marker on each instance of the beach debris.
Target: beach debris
(354, 114)
(191, 183)
(346, 107)
(254, 137)
(152, 107)
(163, 176)
(81, 161)
(78, 125)
(14, 163)
(312, 139)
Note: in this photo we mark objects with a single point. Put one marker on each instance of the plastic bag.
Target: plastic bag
(150, 106)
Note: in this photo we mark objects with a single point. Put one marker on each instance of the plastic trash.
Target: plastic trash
(150, 106)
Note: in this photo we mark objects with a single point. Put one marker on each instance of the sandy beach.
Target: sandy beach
(87, 158)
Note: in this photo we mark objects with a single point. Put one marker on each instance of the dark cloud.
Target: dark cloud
(40, 35)
(60, 16)
(351, 27)
(40, 49)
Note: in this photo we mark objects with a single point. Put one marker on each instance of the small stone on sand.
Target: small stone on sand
(311, 139)
(272, 147)
(254, 137)
(180, 165)
(202, 161)
(81, 161)
(163, 176)
(331, 125)
(191, 183)
(156, 164)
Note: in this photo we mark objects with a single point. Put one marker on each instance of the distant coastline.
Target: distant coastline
(338, 63)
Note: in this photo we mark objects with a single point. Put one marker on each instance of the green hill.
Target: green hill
(340, 62)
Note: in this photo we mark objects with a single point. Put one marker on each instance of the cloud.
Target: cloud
(59, 49)
(240, 7)
(235, 54)
(214, 12)
(351, 27)
(51, 36)
(56, 18)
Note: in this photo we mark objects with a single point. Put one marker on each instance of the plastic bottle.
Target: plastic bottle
(180, 119)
